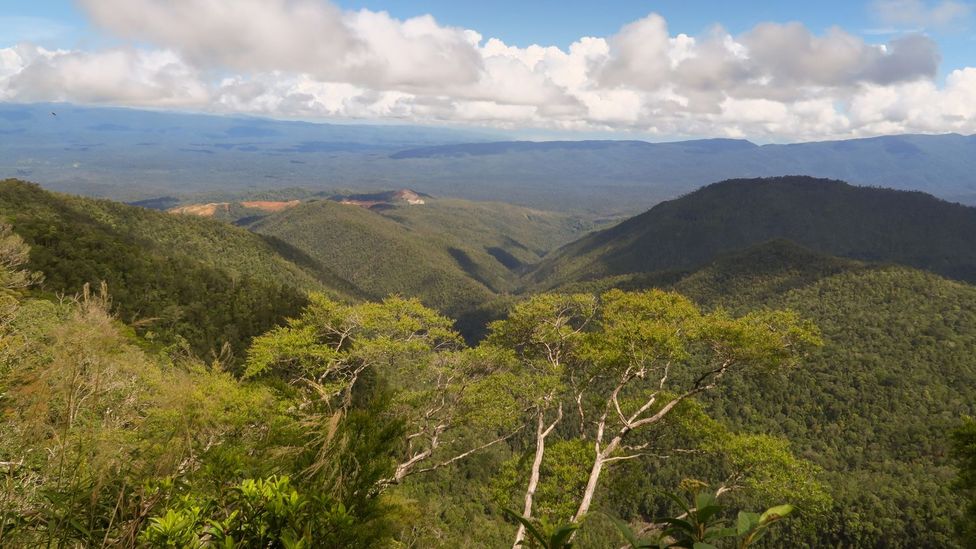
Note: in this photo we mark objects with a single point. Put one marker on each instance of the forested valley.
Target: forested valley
(733, 368)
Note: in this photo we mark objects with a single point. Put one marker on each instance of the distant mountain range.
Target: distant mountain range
(144, 155)
(614, 171)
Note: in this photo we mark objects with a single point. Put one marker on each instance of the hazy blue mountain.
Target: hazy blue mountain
(138, 155)
(943, 165)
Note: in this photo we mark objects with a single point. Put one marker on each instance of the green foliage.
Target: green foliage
(871, 407)
(767, 470)
(256, 513)
(634, 541)
(176, 279)
(14, 255)
(545, 535)
(826, 216)
(544, 331)
(627, 364)
(448, 401)
(701, 525)
(89, 419)
(964, 452)
(331, 338)
(563, 477)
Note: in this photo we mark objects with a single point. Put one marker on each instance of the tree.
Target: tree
(544, 332)
(14, 255)
(628, 361)
(450, 398)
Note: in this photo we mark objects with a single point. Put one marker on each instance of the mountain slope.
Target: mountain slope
(872, 406)
(201, 280)
(514, 236)
(832, 217)
(454, 254)
(382, 257)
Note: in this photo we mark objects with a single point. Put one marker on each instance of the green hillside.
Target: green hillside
(201, 280)
(832, 217)
(383, 257)
(514, 236)
(455, 255)
(874, 406)
(463, 256)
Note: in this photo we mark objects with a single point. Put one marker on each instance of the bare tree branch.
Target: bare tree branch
(468, 453)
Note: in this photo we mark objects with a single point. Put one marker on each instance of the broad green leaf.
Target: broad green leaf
(682, 525)
(529, 527)
(704, 500)
(625, 531)
(560, 537)
(776, 513)
(679, 501)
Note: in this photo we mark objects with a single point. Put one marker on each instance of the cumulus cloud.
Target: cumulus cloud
(365, 47)
(639, 55)
(308, 59)
(790, 55)
(122, 76)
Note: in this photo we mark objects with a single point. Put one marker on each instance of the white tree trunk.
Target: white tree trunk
(540, 449)
(596, 470)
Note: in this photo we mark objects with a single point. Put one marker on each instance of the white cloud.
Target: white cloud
(919, 106)
(639, 55)
(364, 47)
(125, 76)
(791, 55)
(308, 59)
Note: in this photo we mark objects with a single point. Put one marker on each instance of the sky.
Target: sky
(770, 71)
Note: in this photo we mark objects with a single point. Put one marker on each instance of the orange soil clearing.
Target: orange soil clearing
(270, 206)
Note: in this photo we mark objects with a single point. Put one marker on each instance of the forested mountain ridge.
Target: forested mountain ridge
(832, 217)
(205, 281)
(464, 254)
(455, 255)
